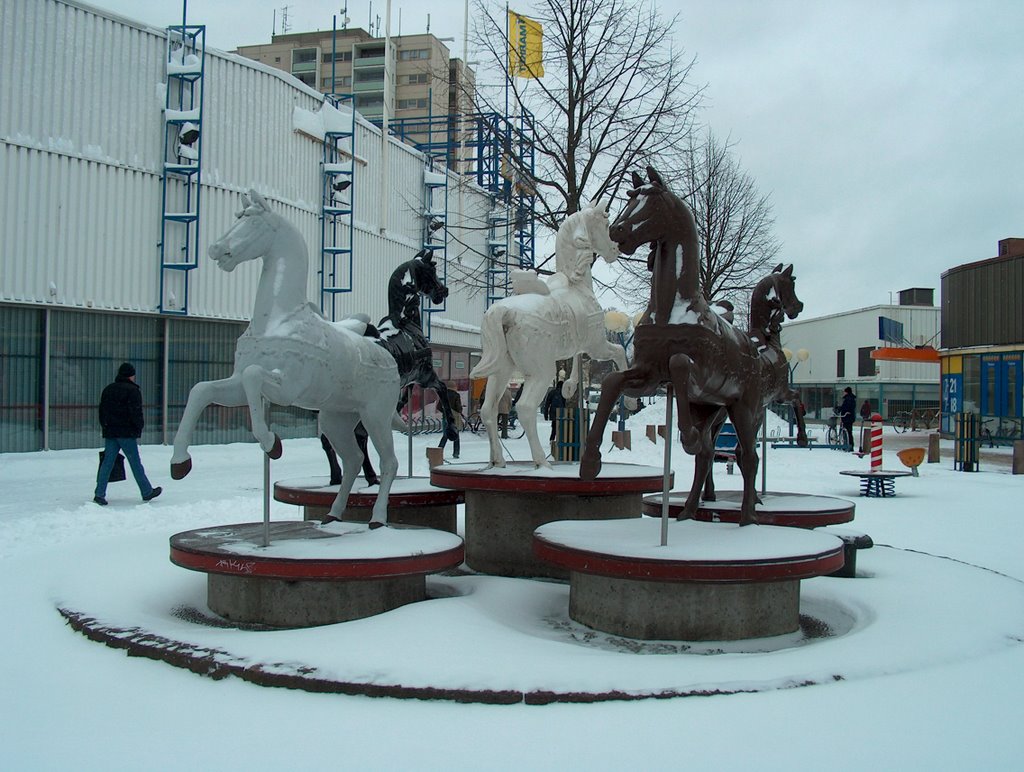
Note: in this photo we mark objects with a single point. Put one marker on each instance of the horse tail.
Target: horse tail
(495, 348)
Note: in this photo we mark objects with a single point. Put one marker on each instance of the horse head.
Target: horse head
(646, 216)
(785, 288)
(594, 236)
(250, 237)
(424, 277)
(773, 300)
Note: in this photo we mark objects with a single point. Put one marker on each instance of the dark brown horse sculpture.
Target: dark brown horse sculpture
(716, 370)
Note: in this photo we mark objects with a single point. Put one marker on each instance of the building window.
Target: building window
(865, 364)
(371, 53)
(410, 54)
(370, 76)
(339, 56)
(277, 59)
(417, 78)
(341, 81)
(309, 78)
(841, 363)
(21, 380)
(412, 104)
(370, 100)
(303, 55)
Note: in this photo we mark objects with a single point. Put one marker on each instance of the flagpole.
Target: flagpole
(508, 55)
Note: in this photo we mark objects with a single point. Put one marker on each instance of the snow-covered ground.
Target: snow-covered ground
(925, 669)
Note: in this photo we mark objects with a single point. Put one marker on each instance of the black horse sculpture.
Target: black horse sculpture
(401, 333)
(716, 369)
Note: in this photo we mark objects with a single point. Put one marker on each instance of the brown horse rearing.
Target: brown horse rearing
(716, 370)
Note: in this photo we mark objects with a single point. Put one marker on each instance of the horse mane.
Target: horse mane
(766, 311)
(570, 260)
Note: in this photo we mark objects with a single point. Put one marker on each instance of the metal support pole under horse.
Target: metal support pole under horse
(666, 487)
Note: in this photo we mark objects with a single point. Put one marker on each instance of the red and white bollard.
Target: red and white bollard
(876, 443)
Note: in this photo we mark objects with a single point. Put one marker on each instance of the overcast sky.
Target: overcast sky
(890, 134)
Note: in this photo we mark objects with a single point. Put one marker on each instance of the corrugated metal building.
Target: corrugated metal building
(83, 277)
(983, 342)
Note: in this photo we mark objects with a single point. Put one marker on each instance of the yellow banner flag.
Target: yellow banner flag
(525, 47)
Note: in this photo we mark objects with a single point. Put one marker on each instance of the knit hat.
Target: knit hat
(126, 370)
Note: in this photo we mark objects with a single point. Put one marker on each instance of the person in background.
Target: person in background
(553, 400)
(455, 402)
(866, 411)
(504, 408)
(122, 422)
(848, 411)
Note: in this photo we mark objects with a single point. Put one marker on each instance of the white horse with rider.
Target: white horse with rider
(543, 322)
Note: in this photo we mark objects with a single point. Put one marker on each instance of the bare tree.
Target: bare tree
(614, 96)
(735, 226)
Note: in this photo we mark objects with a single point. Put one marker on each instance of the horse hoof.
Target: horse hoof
(590, 466)
(276, 451)
(182, 468)
(375, 524)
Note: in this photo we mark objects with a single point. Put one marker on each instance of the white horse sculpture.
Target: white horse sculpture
(544, 322)
(291, 355)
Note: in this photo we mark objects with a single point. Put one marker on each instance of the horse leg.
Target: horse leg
(368, 471)
(590, 459)
(714, 427)
(227, 392)
(433, 382)
(533, 394)
(340, 429)
(704, 458)
(496, 385)
(332, 460)
(378, 425)
(680, 367)
(253, 379)
(747, 459)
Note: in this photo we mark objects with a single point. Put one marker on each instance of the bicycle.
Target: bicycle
(902, 421)
(837, 437)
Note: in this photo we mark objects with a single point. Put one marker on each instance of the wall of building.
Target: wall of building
(982, 302)
(891, 387)
(81, 151)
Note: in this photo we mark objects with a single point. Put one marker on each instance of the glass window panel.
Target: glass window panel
(85, 351)
(21, 388)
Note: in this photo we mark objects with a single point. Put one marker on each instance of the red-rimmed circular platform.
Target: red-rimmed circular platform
(406, 491)
(799, 510)
(236, 550)
(504, 505)
(311, 574)
(562, 479)
(686, 558)
(712, 581)
(411, 501)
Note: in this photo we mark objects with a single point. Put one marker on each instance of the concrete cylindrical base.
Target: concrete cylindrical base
(500, 526)
(684, 611)
(283, 603)
(441, 517)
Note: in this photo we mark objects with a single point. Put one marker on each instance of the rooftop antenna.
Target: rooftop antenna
(285, 24)
(428, 23)
(344, 17)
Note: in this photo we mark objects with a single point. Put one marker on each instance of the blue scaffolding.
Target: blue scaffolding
(181, 176)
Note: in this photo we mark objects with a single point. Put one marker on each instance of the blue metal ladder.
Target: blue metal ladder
(336, 216)
(181, 178)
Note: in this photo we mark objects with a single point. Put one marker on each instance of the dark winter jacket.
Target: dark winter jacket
(849, 407)
(121, 410)
(552, 401)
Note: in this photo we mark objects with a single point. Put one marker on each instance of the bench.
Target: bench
(791, 442)
(852, 541)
